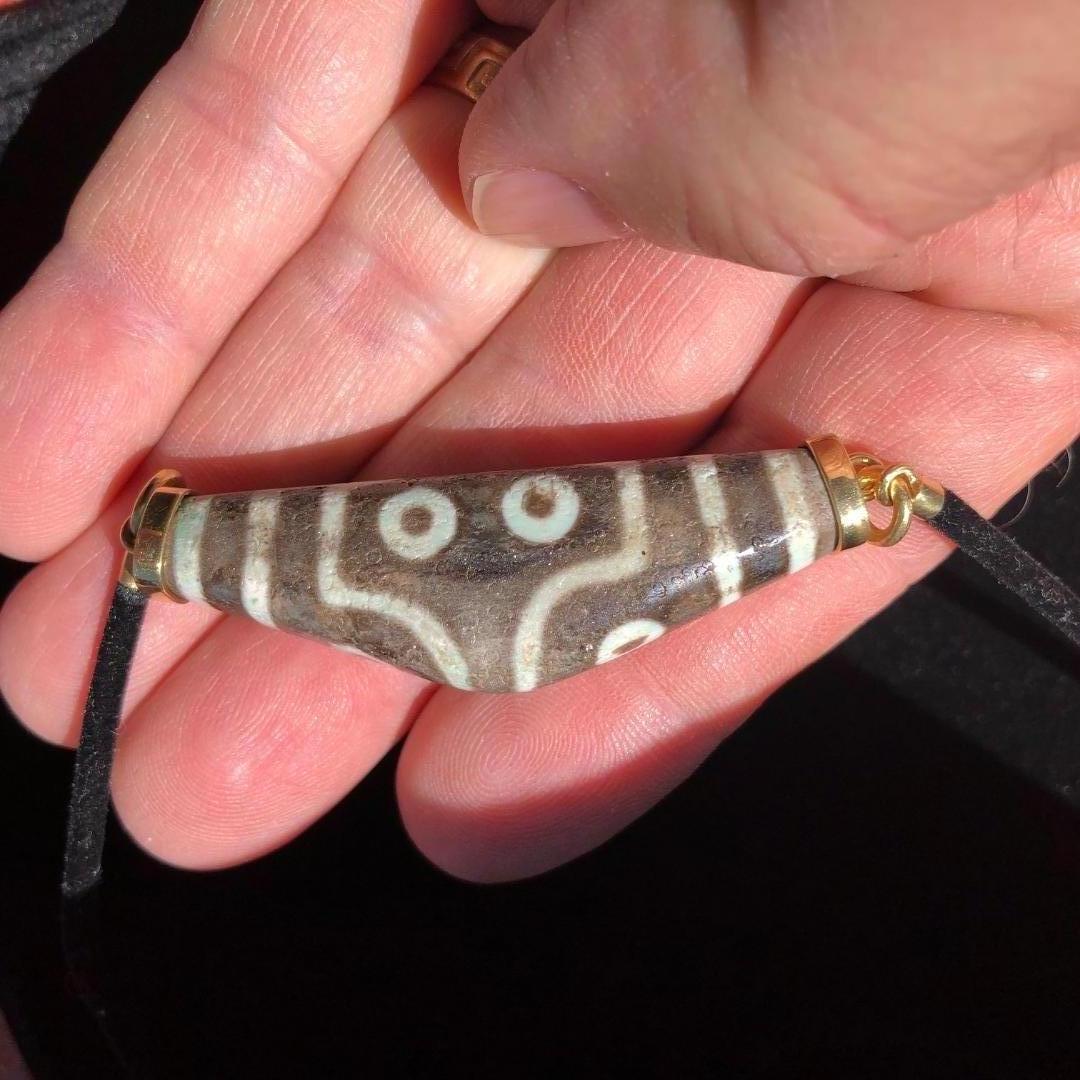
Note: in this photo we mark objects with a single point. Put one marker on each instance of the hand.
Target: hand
(271, 279)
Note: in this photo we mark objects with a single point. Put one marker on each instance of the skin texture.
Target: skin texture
(272, 278)
(809, 136)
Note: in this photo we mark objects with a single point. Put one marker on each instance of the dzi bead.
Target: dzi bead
(504, 581)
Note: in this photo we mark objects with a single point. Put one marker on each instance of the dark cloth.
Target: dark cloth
(36, 37)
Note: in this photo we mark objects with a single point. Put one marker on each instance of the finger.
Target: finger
(623, 351)
(225, 165)
(249, 740)
(51, 624)
(524, 13)
(192, 781)
(1020, 256)
(388, 298)
(355, 331)
(504, 787)
(813, 138)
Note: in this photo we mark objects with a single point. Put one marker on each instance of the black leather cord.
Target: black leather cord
(88, 813)
(88, 809)
(1001, 556)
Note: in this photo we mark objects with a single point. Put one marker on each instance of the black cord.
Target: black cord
(1010, 565)
(88, 808)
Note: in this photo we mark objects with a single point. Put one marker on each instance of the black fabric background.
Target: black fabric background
(35, 40)
(878, 875)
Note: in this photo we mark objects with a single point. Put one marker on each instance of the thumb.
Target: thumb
(816, 137)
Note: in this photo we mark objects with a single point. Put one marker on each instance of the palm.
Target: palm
(267, 282)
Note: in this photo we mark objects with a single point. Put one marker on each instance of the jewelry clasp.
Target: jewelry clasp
(899, 487)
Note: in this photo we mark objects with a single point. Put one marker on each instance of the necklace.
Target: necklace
(508, 581)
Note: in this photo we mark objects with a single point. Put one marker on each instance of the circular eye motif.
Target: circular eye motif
(417, 523)
(540, 509)
(628, 637)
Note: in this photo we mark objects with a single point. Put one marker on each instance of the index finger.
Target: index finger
(224, 166)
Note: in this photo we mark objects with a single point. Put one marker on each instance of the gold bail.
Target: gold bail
(854, 480)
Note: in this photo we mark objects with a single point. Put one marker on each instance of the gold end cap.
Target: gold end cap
(145, 534)
(853, 524)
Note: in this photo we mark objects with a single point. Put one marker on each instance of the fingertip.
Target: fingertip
(46, 707)
(248, 741)
(499, 788)
(540, 209)
(479, 787)
(481, 848)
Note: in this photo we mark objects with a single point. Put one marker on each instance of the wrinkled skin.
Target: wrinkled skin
(273, 278)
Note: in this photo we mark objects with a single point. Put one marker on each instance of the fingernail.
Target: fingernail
(540, 209)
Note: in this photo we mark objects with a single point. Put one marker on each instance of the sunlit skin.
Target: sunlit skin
(272, 278)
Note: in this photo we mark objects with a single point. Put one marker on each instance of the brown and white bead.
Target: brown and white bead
(505, 581)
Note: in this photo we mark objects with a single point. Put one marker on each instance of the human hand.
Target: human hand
(271, 279)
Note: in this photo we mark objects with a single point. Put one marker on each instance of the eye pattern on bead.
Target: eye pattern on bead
(541, 509)
(418, 523)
